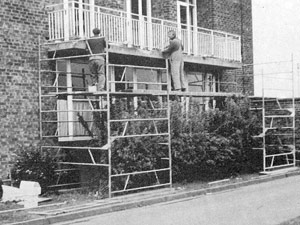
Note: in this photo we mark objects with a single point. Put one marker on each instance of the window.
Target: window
(136, 9)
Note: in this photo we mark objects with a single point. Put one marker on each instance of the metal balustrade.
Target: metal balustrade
(76, 20)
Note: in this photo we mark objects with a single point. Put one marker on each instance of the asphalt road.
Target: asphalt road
(261, 204)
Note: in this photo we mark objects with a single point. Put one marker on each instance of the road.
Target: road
(261, 204)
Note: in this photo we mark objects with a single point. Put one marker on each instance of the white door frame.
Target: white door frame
(190, 36)
(141, 23)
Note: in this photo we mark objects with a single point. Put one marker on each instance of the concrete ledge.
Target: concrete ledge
(176, 195)
(67, 48)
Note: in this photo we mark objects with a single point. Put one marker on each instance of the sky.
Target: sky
(276, 38)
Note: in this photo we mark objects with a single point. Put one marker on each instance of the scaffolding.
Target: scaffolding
(89, 133)
(277, 110)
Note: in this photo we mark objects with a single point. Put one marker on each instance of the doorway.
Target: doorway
(187, 24)
(139, 12)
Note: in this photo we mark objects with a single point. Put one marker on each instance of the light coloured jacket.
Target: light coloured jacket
(174, 50)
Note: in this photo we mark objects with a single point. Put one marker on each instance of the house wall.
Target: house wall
(21, 23)
(205, 13)
(233, 16)
(160, 9)
(113, 4)
(164, 9)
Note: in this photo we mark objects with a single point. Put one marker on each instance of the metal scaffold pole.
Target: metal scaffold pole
(169, 124)
(40, 87)
(68, 117)
(109, 140)
(277, 108)
(294, 110)
(263, 122)
(278, 116)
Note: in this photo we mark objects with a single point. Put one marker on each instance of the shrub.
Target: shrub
(205, 144)
(32, 164)
(216, 143)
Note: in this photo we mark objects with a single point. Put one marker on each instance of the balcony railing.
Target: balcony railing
(74, 20)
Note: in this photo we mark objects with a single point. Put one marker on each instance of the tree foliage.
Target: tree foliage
(32, 164)
(215, 143)
(205, 145)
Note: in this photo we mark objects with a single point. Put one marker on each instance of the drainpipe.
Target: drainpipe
(242, 42)
(1, 190)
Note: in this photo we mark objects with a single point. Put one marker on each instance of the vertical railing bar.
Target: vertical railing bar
(55, 26)
(51, 34)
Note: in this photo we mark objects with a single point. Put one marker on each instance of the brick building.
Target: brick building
(214, 55)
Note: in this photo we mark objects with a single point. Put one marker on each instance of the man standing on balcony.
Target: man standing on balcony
(96, 46)
(174, 52)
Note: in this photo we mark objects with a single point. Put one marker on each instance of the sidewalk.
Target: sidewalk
(268, 203)
(143, 199)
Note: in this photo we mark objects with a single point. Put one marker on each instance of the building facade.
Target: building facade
(216, 34)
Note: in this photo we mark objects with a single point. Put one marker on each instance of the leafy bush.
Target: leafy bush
(32, 164)
(216, 143)
(208, 145)
(205, 144)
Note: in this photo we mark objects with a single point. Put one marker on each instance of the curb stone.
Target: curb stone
(182, 194)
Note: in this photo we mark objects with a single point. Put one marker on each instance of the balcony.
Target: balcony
(75, 21)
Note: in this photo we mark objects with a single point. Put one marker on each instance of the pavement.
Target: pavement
(268, 203)
(272, 196)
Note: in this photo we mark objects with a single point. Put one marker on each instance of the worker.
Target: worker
(174, 52)
(97, 45)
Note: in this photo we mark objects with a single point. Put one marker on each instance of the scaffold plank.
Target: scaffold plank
(142, 188)
(140, 172)
(83, 164)
(141, 135)
(141, 92)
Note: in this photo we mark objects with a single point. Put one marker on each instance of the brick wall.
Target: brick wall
(235, 16)
(21, 22)
(164, 10)
(205, 13)
(160, 9)
(113, 4)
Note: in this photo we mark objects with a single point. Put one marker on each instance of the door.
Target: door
(80, 17)
(140, 22)
(187, 20)
(138, 7)
(72, 77)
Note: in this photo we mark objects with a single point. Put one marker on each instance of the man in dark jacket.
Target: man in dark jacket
(97, 46)
(174, 51)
